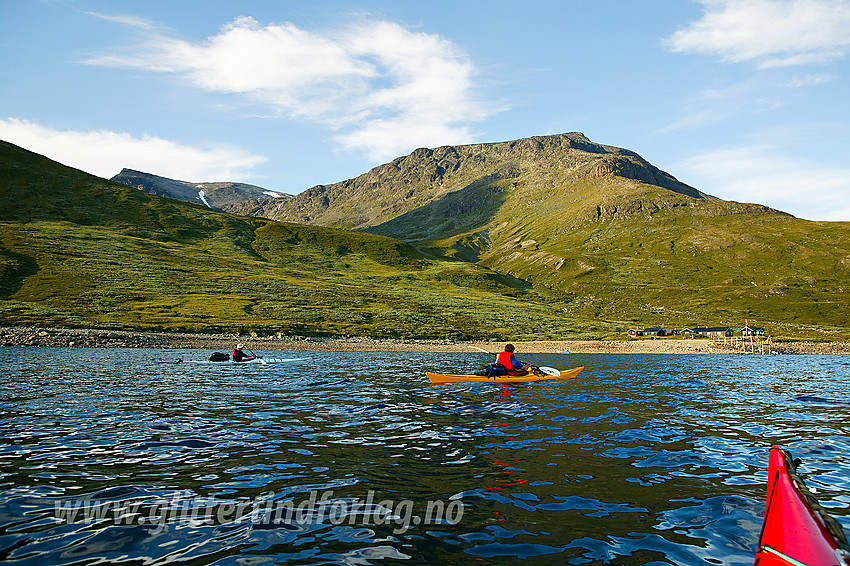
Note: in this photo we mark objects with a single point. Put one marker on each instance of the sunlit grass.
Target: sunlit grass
(80, 251)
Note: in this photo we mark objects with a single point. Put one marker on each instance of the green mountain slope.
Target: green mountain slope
(546, 238)
(686, 265)
(602, 230)
(77, 250)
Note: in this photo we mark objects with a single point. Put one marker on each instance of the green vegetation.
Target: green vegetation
(80, 251)
(93, 276)
(675, 263)
(530, 250)
(613, 238)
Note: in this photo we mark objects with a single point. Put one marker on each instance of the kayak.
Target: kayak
(266, 361)
(532, 376)
(261, 361)
(796, 529)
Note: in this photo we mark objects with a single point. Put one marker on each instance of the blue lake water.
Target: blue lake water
(353, 458)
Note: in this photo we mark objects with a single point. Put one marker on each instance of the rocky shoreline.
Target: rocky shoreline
(91, 338)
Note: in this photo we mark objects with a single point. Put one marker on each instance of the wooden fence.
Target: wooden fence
(749, 344)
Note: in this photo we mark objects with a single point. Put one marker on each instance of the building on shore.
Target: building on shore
(748, 330)
(713, 332)
(718, 333)
(657, 331)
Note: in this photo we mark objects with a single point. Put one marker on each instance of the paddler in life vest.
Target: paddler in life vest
(513, 365)
(239, 356)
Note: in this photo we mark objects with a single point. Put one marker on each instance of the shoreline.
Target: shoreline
(92, 338)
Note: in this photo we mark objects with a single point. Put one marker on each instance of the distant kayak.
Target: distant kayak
(252, 361)
(532, 376)
(265, 361)
(796, 529)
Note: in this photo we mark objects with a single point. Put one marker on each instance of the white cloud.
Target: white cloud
(383, 88)
(104, 153)
(713, 106)
(132, 21)
(809, 80)
(762, 174)
(385, 139)
(768, 33)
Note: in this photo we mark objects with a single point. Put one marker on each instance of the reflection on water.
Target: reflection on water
(353, 458)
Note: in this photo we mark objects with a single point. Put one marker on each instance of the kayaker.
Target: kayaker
(513, 365)
(240, 356)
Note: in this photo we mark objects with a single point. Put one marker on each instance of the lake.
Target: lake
(126, 456)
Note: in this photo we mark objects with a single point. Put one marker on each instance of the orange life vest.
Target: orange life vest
(505, 359)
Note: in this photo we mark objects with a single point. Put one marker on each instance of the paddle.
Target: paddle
(260, 358)
(544, 369)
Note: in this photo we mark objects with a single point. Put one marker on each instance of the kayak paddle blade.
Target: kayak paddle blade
(549, 371)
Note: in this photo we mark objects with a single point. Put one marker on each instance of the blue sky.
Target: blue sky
(748, 100)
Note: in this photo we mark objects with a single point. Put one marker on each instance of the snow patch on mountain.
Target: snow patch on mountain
(203, 198)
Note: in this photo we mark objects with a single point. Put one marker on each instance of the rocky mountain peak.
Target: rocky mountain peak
(551, 164)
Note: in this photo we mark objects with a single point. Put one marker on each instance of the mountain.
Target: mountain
(549, 237)
(236, 198)
(602, 229)
(467, 183)
(81, 251)
(412, 196)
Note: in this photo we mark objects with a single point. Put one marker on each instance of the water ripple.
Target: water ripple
(353, 458)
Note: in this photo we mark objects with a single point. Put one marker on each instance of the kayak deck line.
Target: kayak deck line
(796, 529)
(784, 557)
(439, 378)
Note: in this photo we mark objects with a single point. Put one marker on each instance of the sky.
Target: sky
(747, 100)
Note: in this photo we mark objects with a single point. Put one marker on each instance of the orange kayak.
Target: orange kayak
(533, 376)
(796, 529)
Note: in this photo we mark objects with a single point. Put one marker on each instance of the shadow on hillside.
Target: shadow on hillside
(460, 211)
(14, 269)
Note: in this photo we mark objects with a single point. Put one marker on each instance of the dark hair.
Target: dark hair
(509, 348)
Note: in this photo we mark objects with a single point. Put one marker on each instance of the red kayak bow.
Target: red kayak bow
(796, 529)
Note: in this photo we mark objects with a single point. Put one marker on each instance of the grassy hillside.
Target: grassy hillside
(604, 232)
(524, 241)
(648, 257)
(76, 250)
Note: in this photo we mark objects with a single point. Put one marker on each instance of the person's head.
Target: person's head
(239, 346)
(509, 348)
